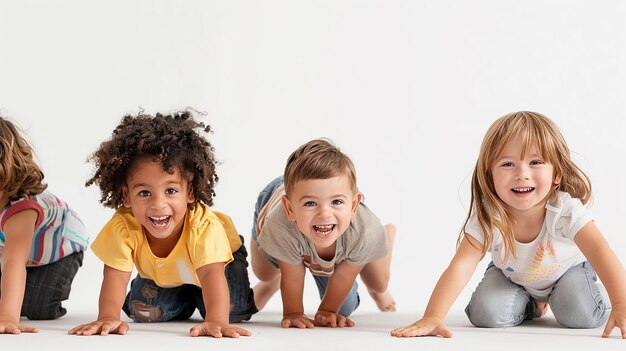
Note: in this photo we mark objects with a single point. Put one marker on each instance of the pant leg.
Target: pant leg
(576, 299)
(47, 286)
(498, 302)
(242, 305)
(351, 302)
(148, 302)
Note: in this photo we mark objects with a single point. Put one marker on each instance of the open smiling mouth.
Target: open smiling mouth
(160, 221)
(323, 229)
(522, 190)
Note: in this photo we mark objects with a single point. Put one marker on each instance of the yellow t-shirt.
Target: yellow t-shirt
(207, 237)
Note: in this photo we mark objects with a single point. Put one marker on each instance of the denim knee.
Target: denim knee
(576, 300)
(498, 302)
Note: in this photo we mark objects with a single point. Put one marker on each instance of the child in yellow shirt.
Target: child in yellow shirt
(159, 175)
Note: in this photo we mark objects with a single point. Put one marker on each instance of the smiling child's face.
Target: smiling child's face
(322, 208)
(157, 198)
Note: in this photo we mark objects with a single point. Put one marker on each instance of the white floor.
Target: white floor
(371, 332)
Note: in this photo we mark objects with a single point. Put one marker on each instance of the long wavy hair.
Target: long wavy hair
(19, 173)
(536, 130)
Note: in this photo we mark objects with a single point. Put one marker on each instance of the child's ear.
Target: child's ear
(125, 200)
(355, 203)
(288, 208)
(191, 198)
(557, 179)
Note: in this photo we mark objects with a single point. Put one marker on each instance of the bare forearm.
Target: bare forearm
(112, 293)
(339, 286)
(216, 303)
(613, 276)
(291, 292)
(13, 287)
(448, 288)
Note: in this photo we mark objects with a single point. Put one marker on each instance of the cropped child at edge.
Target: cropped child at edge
(42, 240)
(527, 209)
(158, 173)
(313, 218)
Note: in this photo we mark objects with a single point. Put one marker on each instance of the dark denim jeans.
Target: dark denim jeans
(47, 286)
(147, 302)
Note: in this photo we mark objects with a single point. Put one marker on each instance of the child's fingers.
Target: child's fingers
(608, 328)
(231, 332)
(27, 329)
(241, 331)
(445, 332)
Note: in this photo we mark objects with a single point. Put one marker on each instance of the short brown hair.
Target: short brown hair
(318, 159)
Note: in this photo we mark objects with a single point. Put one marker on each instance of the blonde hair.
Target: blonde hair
(19, 174)
(536, 130)
(318, 159)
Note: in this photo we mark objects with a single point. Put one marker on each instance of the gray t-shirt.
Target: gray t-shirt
(364, 241)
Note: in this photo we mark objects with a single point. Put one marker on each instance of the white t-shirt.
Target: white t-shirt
(540, 263)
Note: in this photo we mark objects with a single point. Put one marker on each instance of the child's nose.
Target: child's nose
(523, 173)
(324, 211)
(157, 201)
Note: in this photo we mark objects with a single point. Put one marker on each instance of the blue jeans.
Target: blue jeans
(352, 300)
(148, 302)
(48, 285)
(575, 300)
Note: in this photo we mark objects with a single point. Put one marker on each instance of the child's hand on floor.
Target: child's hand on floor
(217, 330)
(102, 327)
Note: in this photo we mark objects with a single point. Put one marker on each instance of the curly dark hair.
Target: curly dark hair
(169, 139)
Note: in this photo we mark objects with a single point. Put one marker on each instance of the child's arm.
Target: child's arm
(112, 295)
(611, 272)
(339, 286)
(18, 232)
(448, 288)
(291, 290)
(216, 303)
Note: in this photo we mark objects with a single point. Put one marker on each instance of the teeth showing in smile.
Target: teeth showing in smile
(324, 229)
(522, 190)
(160, 221)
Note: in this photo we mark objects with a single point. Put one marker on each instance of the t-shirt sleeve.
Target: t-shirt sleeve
(474, 229)
(279, 240)
(114, 245)
(574, 215)
(209, 244)
(367, 239)
(21, 205)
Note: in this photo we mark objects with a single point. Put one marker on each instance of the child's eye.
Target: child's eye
(337, 202)
(171, 191)
(309, 204)
(536, 162)
(144, 193)
(507, 164)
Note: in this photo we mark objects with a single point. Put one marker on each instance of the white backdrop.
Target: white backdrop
(406, 88)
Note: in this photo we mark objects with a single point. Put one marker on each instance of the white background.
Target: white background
(406, 88)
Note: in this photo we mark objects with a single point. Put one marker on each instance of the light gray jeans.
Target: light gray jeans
(575, 300)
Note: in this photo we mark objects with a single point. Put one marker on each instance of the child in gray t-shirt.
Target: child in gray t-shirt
(313, 218)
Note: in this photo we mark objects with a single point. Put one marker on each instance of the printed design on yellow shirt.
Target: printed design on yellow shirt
(543, 265)
(315, 268)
